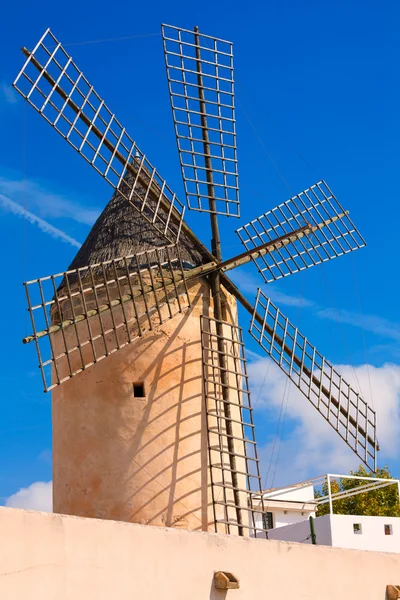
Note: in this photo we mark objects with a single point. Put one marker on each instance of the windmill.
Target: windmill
(162, 431)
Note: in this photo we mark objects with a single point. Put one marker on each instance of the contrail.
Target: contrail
(20, 211)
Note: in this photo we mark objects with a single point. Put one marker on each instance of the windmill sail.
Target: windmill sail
(233, 460)
(201, 86)
(82, 315)
(52, 83)
(344, 409)
(331, 233)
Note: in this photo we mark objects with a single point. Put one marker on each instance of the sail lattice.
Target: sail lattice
(330, 234)
(52, 83)
(81, 316)
(201, 86)
(335, 399)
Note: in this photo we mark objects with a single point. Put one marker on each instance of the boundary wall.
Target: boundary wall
(46, 556)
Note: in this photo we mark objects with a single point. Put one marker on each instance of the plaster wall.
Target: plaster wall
(145, 460)
(49, 556)
(121, 457)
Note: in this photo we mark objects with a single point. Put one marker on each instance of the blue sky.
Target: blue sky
(318, 84)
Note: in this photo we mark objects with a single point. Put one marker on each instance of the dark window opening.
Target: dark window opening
(388, 530)
(138, 390)
(268, 519)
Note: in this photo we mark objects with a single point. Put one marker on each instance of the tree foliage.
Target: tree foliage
(383, 502)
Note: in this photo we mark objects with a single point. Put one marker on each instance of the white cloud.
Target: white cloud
(279, 297)
(38, 496)
(46, 203)
(245, 280)
(385, 388)
(249, 283)
(16, 209)
(46, 456)
(372, 323)
(7, 93)
(310, 447)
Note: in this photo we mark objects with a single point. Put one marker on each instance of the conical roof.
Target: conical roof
(121, 230)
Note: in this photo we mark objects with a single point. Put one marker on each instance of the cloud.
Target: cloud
(372, 323)
(38, 496)
(7, 93)
(279, 297)
(391, 349)
(46, 455)
(248, 283)
(16, 209)
(46, 203)
(309, 446)
(245, 280)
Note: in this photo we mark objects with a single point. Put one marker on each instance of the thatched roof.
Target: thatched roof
(121, 230)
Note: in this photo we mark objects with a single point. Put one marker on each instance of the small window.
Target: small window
(138, 390)
(268, 519)
(357, 528)
(388, 530)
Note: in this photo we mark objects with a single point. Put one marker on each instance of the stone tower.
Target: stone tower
(129, 434)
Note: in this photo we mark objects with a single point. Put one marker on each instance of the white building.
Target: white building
(288, 512)
(285, 506)
(381, 534)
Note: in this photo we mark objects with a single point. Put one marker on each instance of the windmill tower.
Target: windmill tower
(135, 419)
(139, 339)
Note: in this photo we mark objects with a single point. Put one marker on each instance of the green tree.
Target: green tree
(383, 502)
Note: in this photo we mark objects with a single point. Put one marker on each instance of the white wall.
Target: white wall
(337, 530)
(281, 519)
(373, 533)
(288, 515)
(297, 494)
(300, 532)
